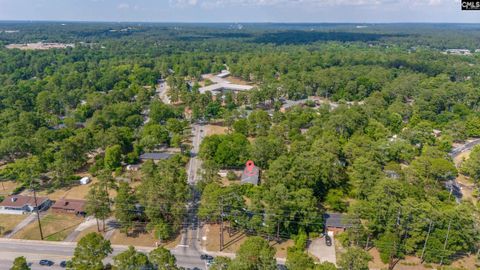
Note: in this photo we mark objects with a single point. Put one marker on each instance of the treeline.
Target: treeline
(382, 165)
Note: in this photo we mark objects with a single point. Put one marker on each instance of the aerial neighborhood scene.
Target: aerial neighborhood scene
(239, 135)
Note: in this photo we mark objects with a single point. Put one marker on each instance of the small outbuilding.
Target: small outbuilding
(133, 167)
(84, 180)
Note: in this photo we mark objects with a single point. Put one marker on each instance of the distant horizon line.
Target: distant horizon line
(229, 22)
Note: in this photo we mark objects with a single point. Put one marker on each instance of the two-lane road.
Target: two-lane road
(34, 251)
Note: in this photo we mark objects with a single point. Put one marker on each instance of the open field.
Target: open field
(55, 227)
(8, 222)
(215, 129)
(77, 191)
(235, 240)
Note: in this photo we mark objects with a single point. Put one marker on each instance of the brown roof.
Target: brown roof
(20, 201)
(69, 204)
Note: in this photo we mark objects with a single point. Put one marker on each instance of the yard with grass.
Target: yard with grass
(232, 242)
(215, 130)
(55, 227)
(6, 187)
(8, 222)
(76, 191)
(143, 239)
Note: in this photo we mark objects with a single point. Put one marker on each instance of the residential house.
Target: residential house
(336, 222)
(19, 204)
(70, 206)
(155, 156)
(251, 174)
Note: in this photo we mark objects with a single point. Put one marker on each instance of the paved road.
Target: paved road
(189, 244)
(34, 251)
(464, 147)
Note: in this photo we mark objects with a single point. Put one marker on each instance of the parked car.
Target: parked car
(209, 258)
(63, 264)
(328, 240)
(203, 256)
(46, 262)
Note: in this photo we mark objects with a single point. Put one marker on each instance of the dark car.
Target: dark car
(63, 264)
(209, 258)
(328, 240)
(46, 262)
(203, 257)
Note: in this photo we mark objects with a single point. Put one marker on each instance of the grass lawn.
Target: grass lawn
(215, 129)
(141, 239)
(77, 192)
(87, 231)
(55, 227)
(6, 187)
(234, 241)
(8, 222)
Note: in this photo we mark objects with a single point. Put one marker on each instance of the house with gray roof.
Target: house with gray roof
(155, 156)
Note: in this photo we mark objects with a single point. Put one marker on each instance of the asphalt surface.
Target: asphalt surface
(187, 252)
(34, 251)
(189, 244)
(465, 147)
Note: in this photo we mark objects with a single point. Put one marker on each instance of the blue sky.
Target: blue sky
(239, 10)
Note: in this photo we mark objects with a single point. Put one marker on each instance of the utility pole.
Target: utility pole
(426, 240)
(446, 241)
(394, 247)
(221, 225)
(36, 209)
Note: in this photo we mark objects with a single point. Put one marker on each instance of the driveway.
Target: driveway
(88, 222)
(320, 250)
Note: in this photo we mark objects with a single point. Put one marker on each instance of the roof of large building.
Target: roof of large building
(336, 220)
(251, 174)
(70, 204)
(156, 156)
(20, 201)
(225, 86)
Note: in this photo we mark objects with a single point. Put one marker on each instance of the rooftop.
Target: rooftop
(155, 156)
(336, 220)
(20, 201)
(250, 174)
(70, 204)
(225, 86)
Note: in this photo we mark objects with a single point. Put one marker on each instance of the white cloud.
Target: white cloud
(184, 3)
(123, 6)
